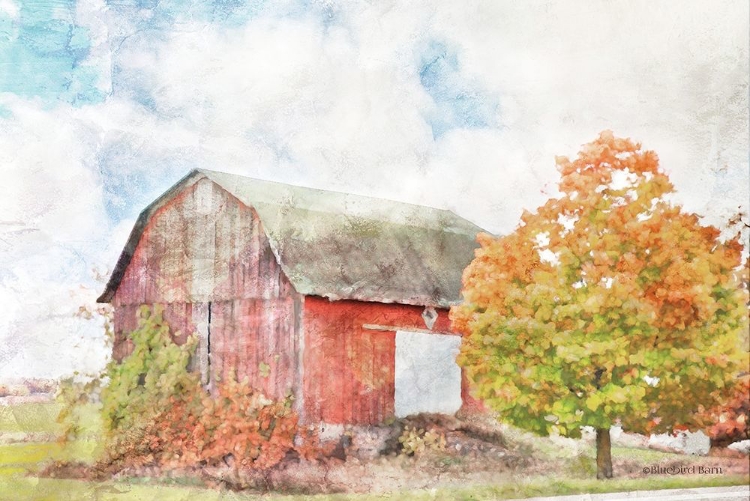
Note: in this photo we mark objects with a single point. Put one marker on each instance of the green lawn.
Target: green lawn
(18, 487)
(30, 455)
(20, 461)
(36, 418)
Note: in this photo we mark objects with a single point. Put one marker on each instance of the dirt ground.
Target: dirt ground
(465, 452)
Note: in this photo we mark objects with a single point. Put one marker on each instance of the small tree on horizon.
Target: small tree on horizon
(609, 304)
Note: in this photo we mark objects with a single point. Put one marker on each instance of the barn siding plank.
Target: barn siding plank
(376, 399)
(235, 329)
(267, 342)
(253, 335)
(276, 344)
(369, 398)
(366, 354)
(380, 358)
(347, 344)
(355, 363)
(285, 329)
(250, 264)
(298, 367)
(257, 337)
(351, 344)
(244, 340)
(312, 354)
(232, 252)
(227, 340)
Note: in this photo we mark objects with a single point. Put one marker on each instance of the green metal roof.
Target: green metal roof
(345, 246)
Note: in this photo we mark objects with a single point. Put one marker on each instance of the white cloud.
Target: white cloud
(93, 15)
(49, 183)
(51, 218)
(44, 337)
(10, 8)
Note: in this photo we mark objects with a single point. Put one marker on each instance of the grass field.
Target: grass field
(20, 460)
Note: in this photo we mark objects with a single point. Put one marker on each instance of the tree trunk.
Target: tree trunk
(603, 454)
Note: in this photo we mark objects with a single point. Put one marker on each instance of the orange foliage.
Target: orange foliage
(237, 427)
(190, 431)
(731, 422)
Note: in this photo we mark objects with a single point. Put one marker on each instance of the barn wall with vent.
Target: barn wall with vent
(202, 251)
(349, 359)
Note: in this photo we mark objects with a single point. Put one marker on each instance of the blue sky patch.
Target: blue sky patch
(460, 103)
(42, 54)
(133, 178)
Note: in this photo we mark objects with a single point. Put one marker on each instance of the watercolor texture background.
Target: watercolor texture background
(460, 105)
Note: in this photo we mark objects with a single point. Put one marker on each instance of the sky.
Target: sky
(458, 105)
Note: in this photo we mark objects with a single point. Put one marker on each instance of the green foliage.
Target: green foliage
(76, 398)
(416, 441)
(151, 378)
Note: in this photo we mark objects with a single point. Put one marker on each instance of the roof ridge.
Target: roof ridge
(209, 172)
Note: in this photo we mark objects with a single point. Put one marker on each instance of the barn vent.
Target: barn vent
(429, 315)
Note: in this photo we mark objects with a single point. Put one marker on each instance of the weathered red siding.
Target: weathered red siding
(203, 247)
(254, 339)
(349, 370)
(179, 316)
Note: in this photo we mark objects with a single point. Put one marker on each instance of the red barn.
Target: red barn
(341, 300)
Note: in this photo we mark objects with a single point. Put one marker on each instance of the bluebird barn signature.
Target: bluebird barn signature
(682, 470)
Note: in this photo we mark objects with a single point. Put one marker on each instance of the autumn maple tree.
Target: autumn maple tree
(608, 304)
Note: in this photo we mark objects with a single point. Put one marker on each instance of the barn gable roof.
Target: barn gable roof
(343, 246)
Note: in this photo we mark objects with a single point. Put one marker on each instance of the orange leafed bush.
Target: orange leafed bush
(157, 413)
(256, 432)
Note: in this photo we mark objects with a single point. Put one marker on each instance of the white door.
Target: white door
(427, 376)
